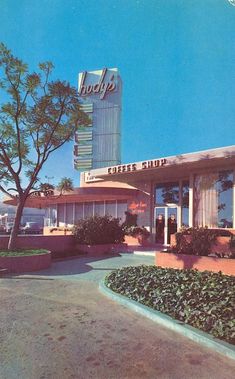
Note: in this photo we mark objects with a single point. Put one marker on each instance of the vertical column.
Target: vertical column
(191, 183)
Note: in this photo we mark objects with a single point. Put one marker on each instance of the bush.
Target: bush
(199, 241)
(204, 300)
(135, 231)
(98, 230)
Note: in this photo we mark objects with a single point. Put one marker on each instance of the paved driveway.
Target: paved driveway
(56, 324)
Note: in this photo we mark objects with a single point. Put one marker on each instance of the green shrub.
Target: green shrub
(199, 241)
(135, 231)
(204, 300)
(98, 230)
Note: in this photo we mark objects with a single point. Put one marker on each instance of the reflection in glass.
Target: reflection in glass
(225, 199)
(185, 204)
(213, 199)
(121, 209)
(167, 193)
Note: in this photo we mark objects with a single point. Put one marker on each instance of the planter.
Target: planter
(26, 263)
(139, 240)
(99, 250)
(183, 261)
(131, 241)
(221, 244)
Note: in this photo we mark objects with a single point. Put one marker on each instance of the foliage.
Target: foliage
(131, 220)
(65, 185)
(195, 241)
(98, 230)
(37, 116)
(204, 300)
(21, 252)
(135, 231)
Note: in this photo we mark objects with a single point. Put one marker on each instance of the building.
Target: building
(195, 189)
(98, 144)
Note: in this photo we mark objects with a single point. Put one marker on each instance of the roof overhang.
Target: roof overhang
(165, 167)
(78, 195)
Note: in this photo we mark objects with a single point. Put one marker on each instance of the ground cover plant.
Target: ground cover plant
(204, 300)
(17, 253)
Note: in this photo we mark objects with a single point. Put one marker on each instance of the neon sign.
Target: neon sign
(102, 87)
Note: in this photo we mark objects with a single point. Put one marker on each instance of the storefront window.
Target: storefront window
(69, 214)
(78, 212)
(88, 210)
(99, 208)
(167, 193)
(213, 199)
(225, 199)
(110, 208)
(61, 214)
(121, 209)
(185, 203)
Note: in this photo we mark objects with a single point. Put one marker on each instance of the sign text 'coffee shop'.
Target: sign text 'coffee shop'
(137, 166)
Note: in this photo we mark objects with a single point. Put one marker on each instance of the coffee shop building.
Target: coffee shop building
(196, 189)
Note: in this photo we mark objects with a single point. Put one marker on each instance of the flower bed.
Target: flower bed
(201, 263)
(204, 300)
(25, 260)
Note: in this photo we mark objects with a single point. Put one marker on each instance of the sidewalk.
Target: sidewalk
(56, 324)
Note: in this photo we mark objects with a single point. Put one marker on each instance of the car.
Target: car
(31, 228)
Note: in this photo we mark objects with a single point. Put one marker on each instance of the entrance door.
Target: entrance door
(166, 223)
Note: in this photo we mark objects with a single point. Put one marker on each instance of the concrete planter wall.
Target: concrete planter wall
(183, 261)
(59, 244)
(26, 263)
(136, 241)
(99, 250)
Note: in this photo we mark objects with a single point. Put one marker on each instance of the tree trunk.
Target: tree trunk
(12, 244)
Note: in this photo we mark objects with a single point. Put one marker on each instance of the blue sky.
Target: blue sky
(176, 59)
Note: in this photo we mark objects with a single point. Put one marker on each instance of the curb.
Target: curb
(190, 332)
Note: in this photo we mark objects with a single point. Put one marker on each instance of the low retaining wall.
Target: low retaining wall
(183, 261)
(52, 243)
(221, 244)
(26, 263)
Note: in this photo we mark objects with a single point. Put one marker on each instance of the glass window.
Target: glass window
(78, 212)
(69, 214)
(185, 203)
(167, 193)
(110, 208)
(99, 208)
(121, 209)
(213, 200)
(88, 210)
(225, 199)
(61, 214)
